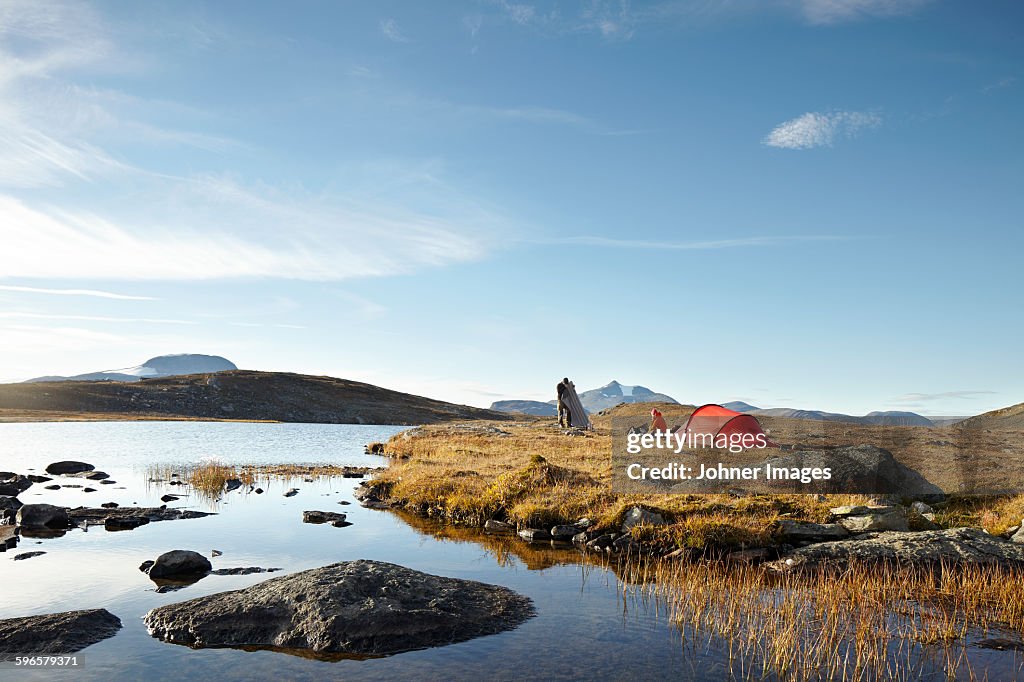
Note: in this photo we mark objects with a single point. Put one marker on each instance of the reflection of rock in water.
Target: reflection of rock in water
(356, 608)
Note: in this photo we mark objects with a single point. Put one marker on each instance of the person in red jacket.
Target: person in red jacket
(657, 421)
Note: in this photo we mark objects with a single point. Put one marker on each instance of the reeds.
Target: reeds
(856, 622)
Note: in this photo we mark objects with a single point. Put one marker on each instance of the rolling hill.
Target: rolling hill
(235, 394)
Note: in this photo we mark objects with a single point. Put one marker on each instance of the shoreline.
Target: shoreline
(529, 478)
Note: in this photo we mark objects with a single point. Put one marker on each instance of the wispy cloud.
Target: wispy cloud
(91, 318)
(1001, 84)
(744, 242)
(391, 31)
(948, 395)
(326, 240)
(74, 292)
(158, 225)
(815, 129)
(838, 11)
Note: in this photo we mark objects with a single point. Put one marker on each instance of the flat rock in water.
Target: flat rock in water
(954, 546)
(100, 515)
(322, 517)
(26, 555)
(353, 608)
(56, 633)
(69, 467)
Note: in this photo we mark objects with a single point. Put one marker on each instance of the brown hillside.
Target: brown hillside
(1005, 418)
(240, 394)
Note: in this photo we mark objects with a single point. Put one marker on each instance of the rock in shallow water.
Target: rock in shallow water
(351, 608)
(56, 633)
(69, 467)
(43, 516)
(179, 562)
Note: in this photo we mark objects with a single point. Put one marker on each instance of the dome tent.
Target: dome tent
(714, 420)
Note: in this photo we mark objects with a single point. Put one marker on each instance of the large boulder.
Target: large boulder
(179, 562)
(43, 516)
(355, 607)
(69, 467)
(56, 633)
(954, 546)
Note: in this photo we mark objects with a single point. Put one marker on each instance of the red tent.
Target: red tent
(715, 420)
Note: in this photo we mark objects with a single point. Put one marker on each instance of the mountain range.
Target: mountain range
(594, 400)
(615, 393)
(892, 418)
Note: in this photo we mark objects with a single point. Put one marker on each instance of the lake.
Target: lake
(585, 627)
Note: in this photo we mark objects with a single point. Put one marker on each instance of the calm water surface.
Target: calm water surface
(584, 629)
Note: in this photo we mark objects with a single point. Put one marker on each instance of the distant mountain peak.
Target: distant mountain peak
(158, 366)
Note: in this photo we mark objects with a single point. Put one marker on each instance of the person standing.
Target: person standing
(658, 421)
(564, 417)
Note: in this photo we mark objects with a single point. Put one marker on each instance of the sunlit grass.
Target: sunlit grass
(858, 621)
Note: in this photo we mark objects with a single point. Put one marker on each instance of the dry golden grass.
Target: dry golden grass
(856, 622)
(209, 479)
(537, 476)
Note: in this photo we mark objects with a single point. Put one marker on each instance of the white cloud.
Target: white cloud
(390, 29)
(217, 229)
(91, 318)
(74, 292)
(815, 129)
(146, 223)
(690, 246)
(837, 11)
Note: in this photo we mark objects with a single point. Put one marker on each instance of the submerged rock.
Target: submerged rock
(102, 515)
(322, 517)
(353, 608)
(56, 633)
(26, 555)
(243, 570)
(115, 523)
(955, 546)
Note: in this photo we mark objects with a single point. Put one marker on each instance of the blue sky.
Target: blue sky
(806, 203)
